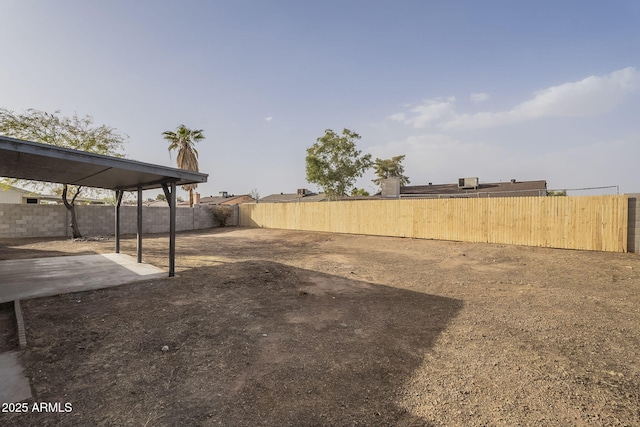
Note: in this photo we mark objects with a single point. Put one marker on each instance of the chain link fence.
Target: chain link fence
(610, 190)
(477, 194)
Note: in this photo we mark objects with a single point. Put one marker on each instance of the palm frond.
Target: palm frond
(183, 140)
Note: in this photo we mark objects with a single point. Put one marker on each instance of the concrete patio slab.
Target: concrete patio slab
(15, 386)
(39, 277)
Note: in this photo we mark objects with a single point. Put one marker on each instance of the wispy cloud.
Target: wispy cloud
(268, 119)
(440, 158)
(399, 117)
(479, 97)
(431, 110)
(588, 97)
(584, 98)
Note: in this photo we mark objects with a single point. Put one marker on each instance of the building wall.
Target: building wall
(10, 196)
(22, 220)
(633, 233)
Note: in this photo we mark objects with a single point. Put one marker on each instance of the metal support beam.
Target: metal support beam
(119, 194)
(139, 224)
(172, 230)
(167, 194)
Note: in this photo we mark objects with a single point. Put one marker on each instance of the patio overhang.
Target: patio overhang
(48, 163)
(42, 162)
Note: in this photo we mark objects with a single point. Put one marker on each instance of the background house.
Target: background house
(15, 195)
(301, 195)
(468, 187)
(224, 198)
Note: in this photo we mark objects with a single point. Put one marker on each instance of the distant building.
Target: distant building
(302, 195)
(17, 195)
(223, 198)
(472, 187)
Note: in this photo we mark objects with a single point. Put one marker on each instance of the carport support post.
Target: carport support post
(170, 195)
(119, 194)
(172, 231)
(139, 224)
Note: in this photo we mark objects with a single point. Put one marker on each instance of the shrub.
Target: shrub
(222, 214)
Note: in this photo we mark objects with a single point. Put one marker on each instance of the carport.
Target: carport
(42, 162)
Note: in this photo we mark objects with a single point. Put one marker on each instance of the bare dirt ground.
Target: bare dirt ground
(284, 328)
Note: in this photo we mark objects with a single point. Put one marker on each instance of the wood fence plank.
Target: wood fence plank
(584, 222)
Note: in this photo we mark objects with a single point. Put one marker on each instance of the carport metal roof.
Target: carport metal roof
(43, 162)
(48, 163)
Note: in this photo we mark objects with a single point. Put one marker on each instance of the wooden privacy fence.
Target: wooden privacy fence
(596, 223)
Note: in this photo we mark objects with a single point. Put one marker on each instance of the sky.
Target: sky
(497, 89)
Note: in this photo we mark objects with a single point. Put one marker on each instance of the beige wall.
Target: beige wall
(10, 196)
(586, 222)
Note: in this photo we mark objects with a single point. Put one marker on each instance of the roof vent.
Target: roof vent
(513, 181)
(467, 183)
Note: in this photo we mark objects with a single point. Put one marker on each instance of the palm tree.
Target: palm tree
(184, 140)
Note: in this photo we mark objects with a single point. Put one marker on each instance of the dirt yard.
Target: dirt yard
(284, 328)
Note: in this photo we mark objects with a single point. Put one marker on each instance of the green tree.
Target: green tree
(184, 140)
(390, 168)
(334, 163)
(74, 132)
(161, 197)
(359, 192)
(556, 192)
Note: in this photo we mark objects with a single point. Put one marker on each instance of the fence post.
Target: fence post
(633, 223)
(236, 215)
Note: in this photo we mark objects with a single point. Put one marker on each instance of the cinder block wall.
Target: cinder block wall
(33, 220)
(633, 232)
(52, 220)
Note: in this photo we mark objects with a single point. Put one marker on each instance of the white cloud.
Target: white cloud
(588, 97)
(431, 110)
(399, 117)
(268, 119)
(441, 158)
(584, 98)
(479, 97)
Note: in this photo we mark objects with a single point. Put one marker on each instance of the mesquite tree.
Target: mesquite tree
(73, 132)
(334, 163)
(390, 168)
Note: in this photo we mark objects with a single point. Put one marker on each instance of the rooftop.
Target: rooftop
(511, 188)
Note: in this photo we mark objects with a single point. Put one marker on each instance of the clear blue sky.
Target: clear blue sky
(494, 89)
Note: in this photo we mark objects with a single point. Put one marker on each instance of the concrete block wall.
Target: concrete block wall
(203, 217)
(633, 232)
(96, 220)
(24, 220)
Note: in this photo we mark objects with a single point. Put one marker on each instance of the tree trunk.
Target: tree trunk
(74, 222)
(72, 210)
(191, 197)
